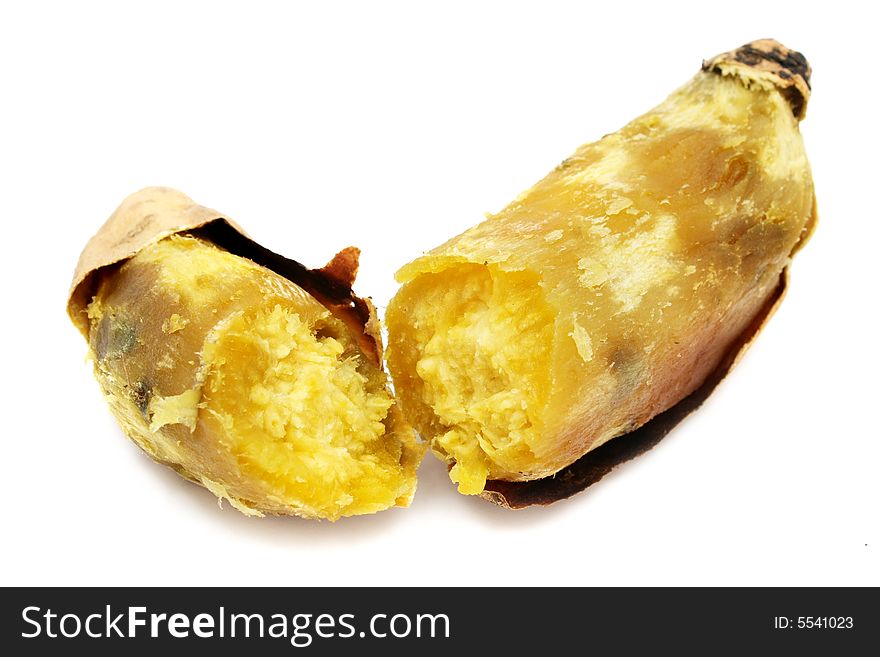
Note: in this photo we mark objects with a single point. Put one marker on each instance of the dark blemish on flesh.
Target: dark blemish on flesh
(115, 337)
(141, 393)
(565, 164)
(628, 367)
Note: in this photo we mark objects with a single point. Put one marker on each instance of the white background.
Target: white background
(393, 127)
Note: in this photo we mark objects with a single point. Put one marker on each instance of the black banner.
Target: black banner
(318, 621)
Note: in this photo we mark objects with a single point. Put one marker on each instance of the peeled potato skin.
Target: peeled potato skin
(654, 248)
(151, 331)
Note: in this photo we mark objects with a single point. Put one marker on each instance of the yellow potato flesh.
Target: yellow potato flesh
(243, 382)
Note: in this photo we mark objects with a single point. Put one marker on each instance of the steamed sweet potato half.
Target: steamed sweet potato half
(613, 288)
(244, 382)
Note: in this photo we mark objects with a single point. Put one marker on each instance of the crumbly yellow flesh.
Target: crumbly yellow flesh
(297, 413)
(479, 341)
(244, 383)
